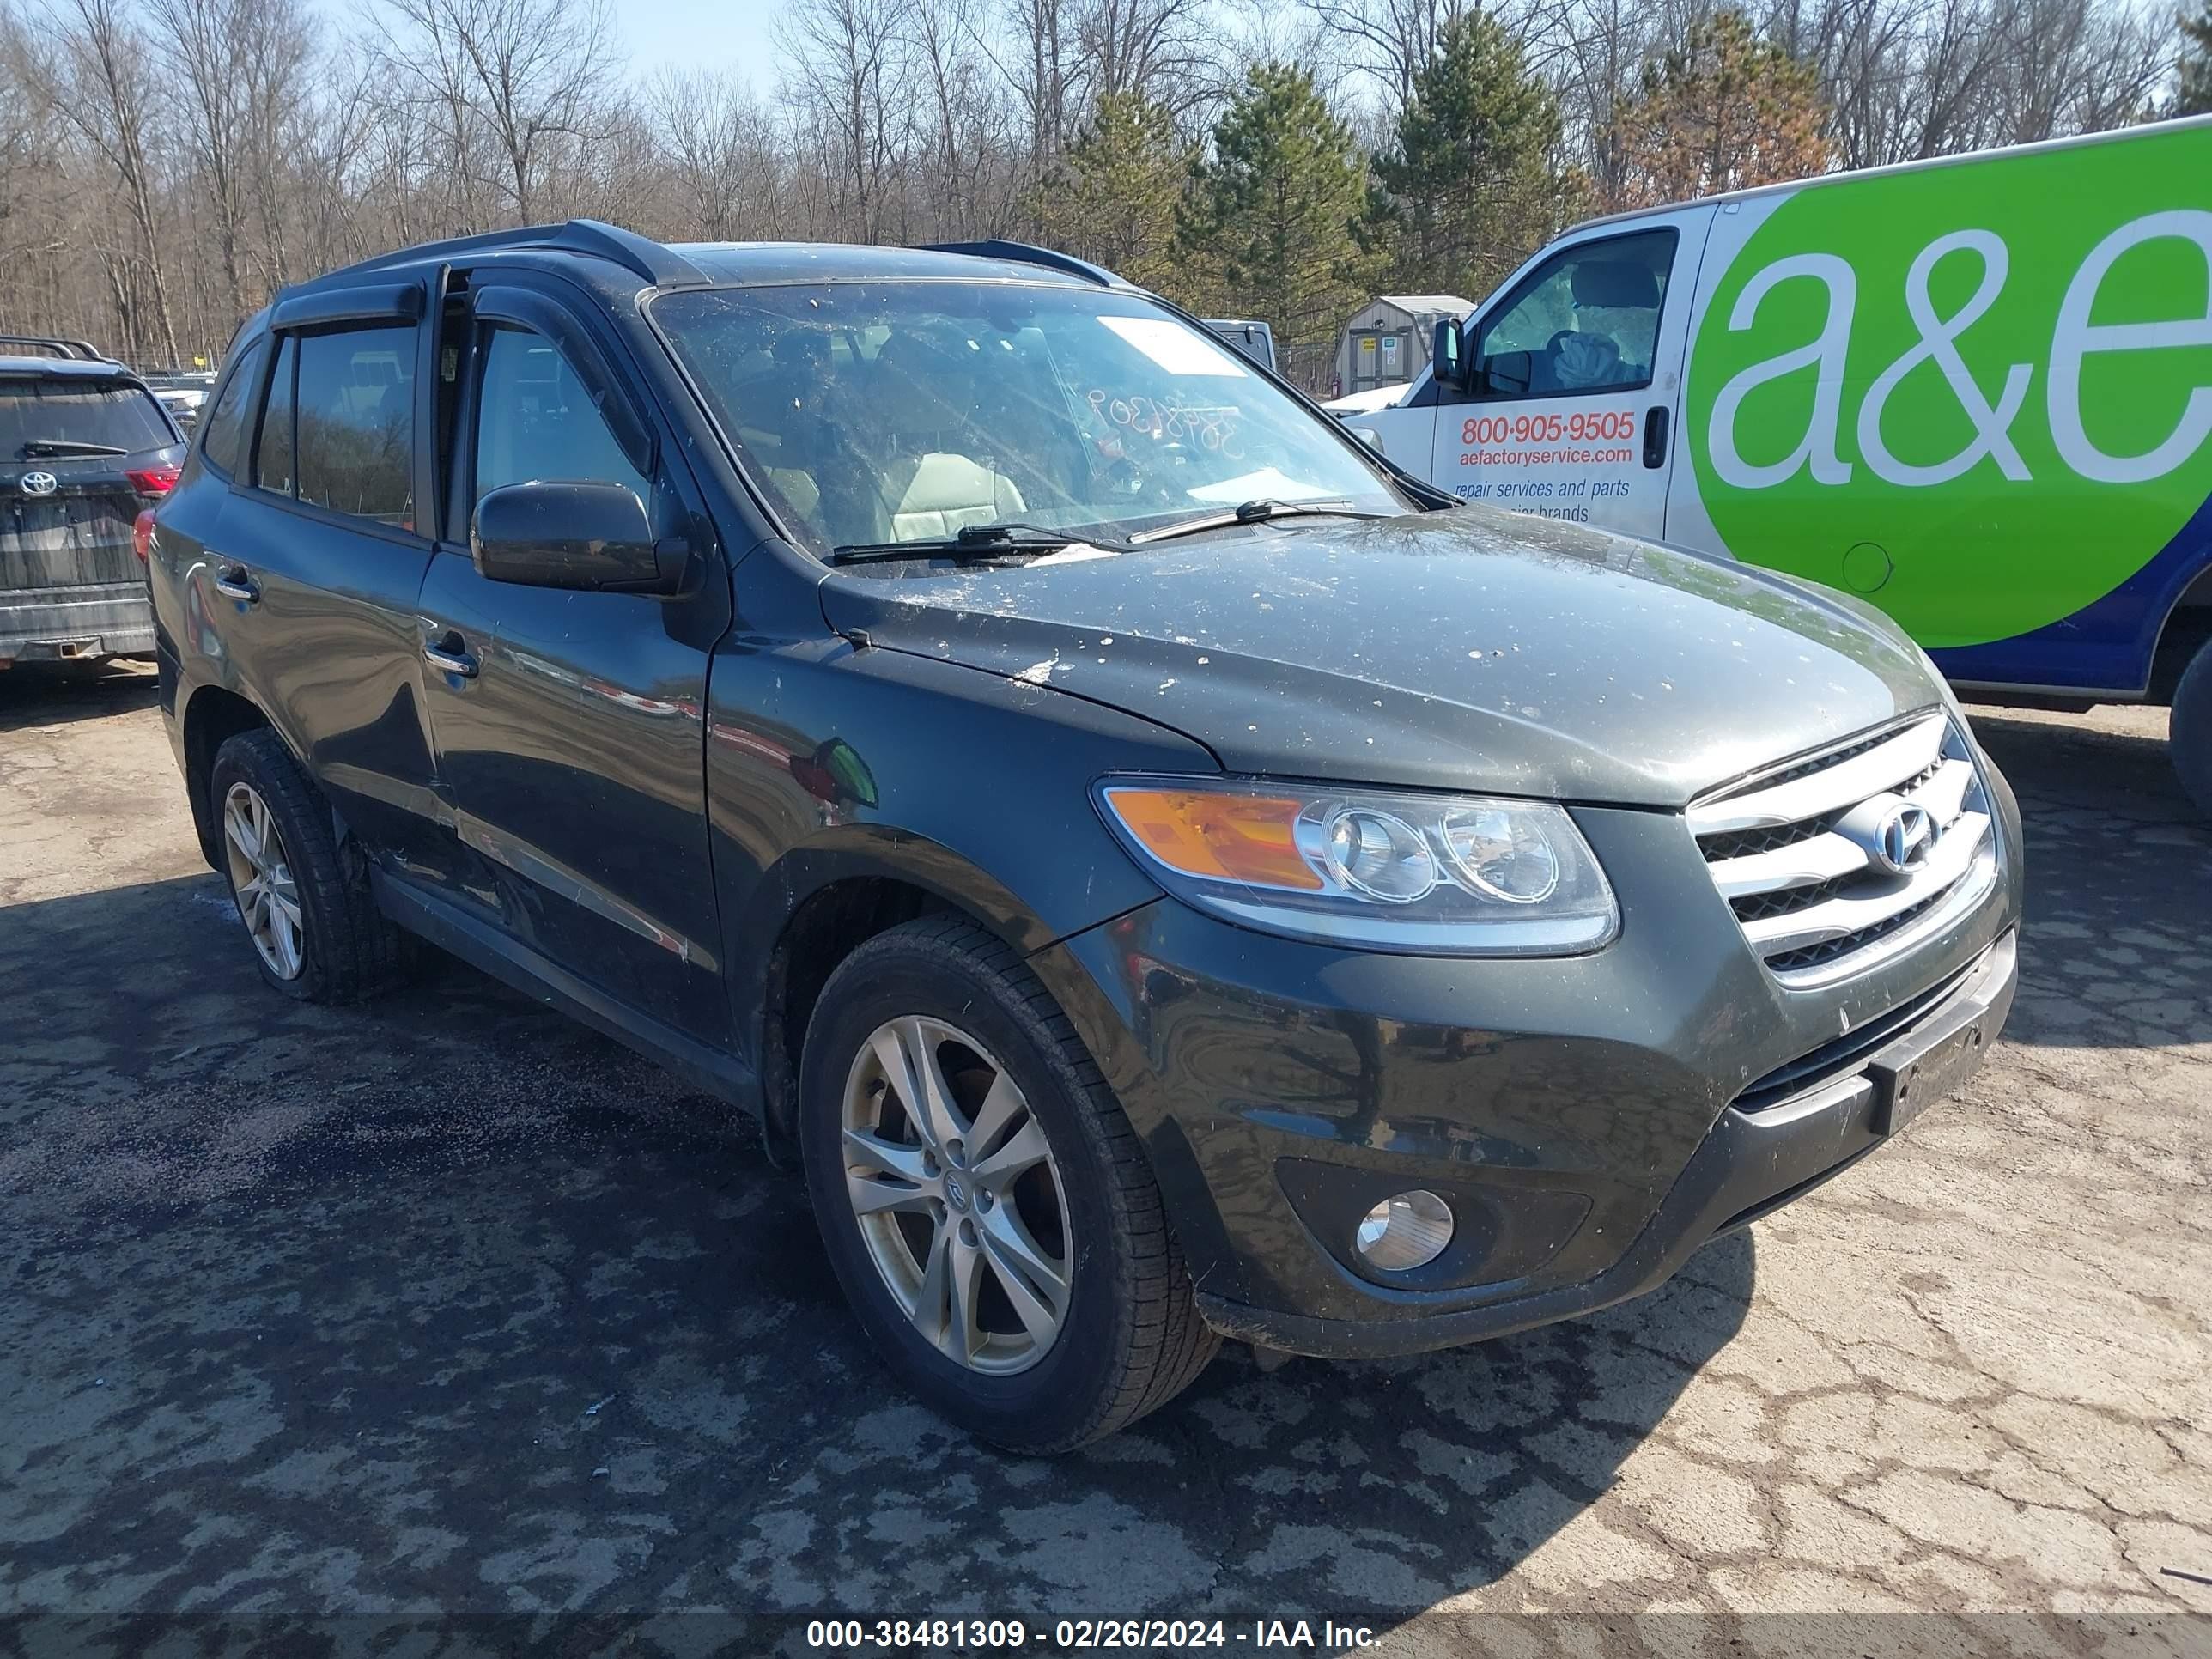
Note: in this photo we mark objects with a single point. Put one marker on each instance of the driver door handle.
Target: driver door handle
(449, 653)
(234, 582)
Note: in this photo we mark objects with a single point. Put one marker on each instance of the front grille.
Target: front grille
(1798, 852)
(1845, 1055)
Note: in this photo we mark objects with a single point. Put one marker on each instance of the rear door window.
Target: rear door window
(42, 416)
(223, 444)
(356, 423)
(272, 458)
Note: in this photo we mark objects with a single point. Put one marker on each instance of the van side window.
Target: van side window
(1587, 320)
(537, 420)
(223, 443)
(356, 445)
(272, 456)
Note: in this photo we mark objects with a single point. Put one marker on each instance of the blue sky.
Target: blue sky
(701, 33)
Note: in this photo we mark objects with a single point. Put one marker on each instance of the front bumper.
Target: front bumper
(1592, 1122)
(105, 619)
(1750, 1164)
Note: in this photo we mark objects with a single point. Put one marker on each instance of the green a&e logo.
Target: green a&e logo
(1997, 375)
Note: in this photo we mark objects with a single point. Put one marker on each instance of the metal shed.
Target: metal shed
(1387, 343)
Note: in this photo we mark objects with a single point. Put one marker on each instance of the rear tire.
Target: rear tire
(317, 934)
(1081, 1318)
(2189, 732)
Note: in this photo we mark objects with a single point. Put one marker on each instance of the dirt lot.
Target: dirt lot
(446, 1303)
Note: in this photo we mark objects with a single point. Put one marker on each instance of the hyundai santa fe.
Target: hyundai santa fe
(1162, 873)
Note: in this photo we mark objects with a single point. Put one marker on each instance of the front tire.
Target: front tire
(2189, 731)
(317, 934)
(985, 1202)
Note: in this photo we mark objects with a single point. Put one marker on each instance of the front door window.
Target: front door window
(1586, 321)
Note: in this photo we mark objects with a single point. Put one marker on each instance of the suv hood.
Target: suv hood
(1469, 649)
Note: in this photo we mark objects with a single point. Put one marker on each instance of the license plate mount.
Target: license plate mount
(1905, 1088)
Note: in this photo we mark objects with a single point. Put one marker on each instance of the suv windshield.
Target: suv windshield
(908, 411)
(120, 418)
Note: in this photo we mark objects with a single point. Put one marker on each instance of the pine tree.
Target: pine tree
(2195, 96)
(1113, 198)
(1269, 230)
(1471, 186)
(1723, 111)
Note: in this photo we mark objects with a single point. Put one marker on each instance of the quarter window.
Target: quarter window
(223, 443)
(272, 456)
(1586, 320)
(537, 422)
(356, 423)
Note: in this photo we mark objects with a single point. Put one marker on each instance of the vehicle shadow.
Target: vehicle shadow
(446, 1303)
(39, 694)
(2114, 950)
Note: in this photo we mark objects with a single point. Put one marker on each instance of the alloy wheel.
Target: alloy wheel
(261, 881)
(958, 1198)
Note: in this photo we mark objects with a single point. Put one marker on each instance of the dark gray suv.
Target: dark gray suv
(85, 452)
(1164, 874)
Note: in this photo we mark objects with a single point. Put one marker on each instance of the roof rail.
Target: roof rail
(639, 255)
(80, 350)
(1024, 253)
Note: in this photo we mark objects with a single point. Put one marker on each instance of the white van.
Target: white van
(1976, 391)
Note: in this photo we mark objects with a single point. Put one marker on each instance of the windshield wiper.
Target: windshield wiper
(69, 447)
(1257, 512)
(976, 543)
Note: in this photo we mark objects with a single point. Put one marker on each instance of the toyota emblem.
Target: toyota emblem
(39, 483)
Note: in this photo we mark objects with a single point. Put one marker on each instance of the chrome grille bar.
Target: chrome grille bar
(1800, 858)
(1831, 789)
(1865, 904)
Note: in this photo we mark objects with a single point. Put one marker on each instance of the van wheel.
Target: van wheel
(2189, 733)
(983, 1200)
(316, 935)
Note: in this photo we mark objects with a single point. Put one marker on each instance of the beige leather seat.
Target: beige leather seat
(942, 495)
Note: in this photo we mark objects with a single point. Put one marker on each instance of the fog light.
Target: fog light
(1409, 1231)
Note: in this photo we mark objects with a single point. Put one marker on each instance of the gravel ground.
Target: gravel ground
(448, 1305)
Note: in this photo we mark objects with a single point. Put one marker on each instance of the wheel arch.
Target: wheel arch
(2185, 629)
(815, 907)
(213, 715)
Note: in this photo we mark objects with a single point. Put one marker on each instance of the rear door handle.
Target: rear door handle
(234, 582)
(1655, 437)
(449, 653)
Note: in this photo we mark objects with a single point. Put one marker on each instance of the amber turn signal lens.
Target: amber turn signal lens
(1217, 836)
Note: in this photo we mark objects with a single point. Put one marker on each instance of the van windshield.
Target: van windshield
(908, 411)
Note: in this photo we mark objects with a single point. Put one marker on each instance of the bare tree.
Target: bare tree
(101, 81)
(167, 164)
(234, 62)
(525, 73)
(849, 69)
(722, 149)
(1396, 37)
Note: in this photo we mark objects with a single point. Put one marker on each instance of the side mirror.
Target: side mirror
(581, 535)
(1444, 359)
(1371, 437)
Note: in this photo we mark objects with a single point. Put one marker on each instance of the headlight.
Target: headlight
(1435, 875)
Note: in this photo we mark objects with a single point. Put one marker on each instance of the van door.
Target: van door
(1576, 373)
